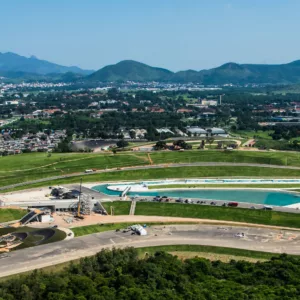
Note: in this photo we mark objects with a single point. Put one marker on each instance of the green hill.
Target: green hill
(127, 70)
(228, 73)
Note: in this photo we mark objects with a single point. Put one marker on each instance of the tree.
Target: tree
(182, 144)
(132, 134)
(122, 144)
(160, 145)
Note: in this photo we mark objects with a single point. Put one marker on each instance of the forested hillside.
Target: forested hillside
(120, 274)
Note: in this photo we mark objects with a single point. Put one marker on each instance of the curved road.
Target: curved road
(196, 164)
(259, 239)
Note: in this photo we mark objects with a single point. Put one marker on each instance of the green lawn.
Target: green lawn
(26, 167)
(9, 214)
(120, 207)
(251, 133)
(206, 249)
(223, 185)
(218, 213)
(96, 228)
(259, 157)
(84, 230)
(178, 172)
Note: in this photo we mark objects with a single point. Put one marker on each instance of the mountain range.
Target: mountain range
(15, 66)
(14, 63)
(228, 73)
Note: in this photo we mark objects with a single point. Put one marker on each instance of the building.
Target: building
(194, 130)
(164, 130)
(184, 110)
(197, 131)
(12, 102)
(217, 131)
(209, 102)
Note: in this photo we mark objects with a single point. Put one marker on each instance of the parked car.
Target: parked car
(233, 204)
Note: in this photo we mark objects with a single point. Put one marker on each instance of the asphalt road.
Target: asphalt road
(259, 239)
(201, 164)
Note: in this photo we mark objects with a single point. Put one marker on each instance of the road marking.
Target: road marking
(112, 241)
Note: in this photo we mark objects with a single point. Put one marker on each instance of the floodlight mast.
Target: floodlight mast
(79, 200)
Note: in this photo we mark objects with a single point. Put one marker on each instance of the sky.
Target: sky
(172, 34)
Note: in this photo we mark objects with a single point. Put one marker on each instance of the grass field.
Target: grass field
(96, 228)
(27, 167)
(259, 157)
(251, 133)
(84, 230)
(206, 249)
(188, 186)
(9, 214)
(163, 173)
(218, 213)
(120, 208)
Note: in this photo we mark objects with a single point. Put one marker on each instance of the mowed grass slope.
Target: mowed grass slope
(119, 207)
(218, 213)
(205, 249)
(259, 157)
(177, 172)
(27, 167)
(9, 214)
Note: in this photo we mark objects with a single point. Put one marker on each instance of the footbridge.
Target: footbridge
(126, 191)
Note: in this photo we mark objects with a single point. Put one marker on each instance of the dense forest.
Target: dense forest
(120, 274)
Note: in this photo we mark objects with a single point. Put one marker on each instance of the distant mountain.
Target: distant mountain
(16, 67)
(234, 73)
(13, 64)
(127, 70)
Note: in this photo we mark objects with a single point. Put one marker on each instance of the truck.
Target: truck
(233, 204)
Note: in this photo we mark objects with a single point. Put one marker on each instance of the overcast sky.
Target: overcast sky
(174, 34)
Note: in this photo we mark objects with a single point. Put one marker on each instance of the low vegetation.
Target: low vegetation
(205, 249)
(255, 216)
(96, 228)
(9, 214)
(121, 274)
(118, 208)
(28, 167)
(238, 186)
(165, 172)
(100, 227)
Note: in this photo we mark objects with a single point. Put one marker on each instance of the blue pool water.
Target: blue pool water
(250, 196)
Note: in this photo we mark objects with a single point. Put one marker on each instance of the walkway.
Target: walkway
(132, 208)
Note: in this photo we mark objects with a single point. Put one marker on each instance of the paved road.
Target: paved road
(260, 239)
(169, 165)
